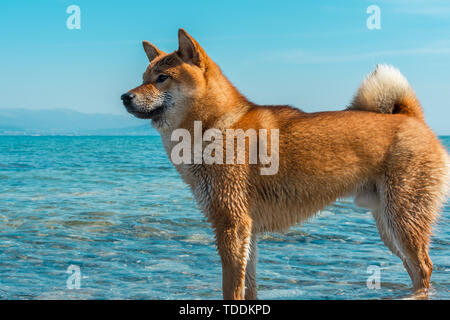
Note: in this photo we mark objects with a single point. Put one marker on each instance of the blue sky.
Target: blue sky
(310, 54)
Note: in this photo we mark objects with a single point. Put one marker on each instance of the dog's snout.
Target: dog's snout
(127, 97)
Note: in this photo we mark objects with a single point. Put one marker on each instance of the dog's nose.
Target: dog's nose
(127, 97)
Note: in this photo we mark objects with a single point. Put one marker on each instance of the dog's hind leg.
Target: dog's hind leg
(410, 199)
(387, 237)
(407, 236)
(250, 272)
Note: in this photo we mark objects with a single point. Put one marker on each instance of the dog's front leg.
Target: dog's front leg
(233, 241)
(250, 273)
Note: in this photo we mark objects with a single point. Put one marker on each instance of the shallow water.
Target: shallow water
(117, 209)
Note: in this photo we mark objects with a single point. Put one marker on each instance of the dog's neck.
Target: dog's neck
(223, 104)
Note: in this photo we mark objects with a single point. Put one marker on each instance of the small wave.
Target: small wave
(283, 294)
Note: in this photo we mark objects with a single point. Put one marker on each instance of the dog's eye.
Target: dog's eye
(161, 78)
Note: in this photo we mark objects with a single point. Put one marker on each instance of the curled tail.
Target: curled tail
(386, 90)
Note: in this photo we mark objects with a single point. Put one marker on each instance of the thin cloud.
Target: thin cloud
(433, 8)
(300, 56)
(440, 11)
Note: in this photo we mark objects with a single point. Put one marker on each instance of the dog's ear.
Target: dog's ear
(151, 51)
(189, 50)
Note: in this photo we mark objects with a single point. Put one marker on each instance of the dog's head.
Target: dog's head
(170, 83)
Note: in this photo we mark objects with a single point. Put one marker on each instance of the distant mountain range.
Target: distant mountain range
(70, 122)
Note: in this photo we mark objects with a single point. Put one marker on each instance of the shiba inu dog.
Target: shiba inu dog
(378, 150)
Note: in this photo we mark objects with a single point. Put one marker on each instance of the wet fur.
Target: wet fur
(379, 150)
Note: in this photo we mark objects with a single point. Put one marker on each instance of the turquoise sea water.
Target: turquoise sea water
(118, 210)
